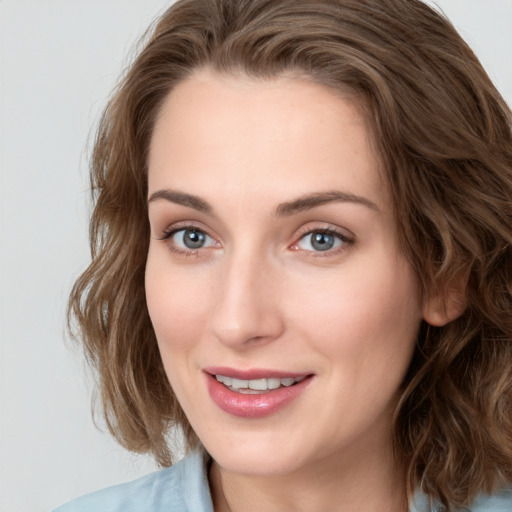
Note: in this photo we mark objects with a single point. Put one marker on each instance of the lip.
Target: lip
(258, 405)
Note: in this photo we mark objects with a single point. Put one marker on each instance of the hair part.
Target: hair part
(443, 133)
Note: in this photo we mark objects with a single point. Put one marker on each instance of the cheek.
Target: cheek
(371, 312)
(175, 306)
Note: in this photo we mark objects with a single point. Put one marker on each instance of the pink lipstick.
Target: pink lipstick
(254, 393)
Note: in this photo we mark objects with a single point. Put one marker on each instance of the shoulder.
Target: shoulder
(182, 487)
(499, 502)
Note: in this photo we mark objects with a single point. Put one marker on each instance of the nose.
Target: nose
(246, 309)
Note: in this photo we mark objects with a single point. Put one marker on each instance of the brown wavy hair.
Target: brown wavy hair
(444, 135)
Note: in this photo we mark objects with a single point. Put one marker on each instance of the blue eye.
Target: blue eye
(191, 239)
(320, 241)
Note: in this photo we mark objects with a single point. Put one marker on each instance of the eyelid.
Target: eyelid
(173, 232)
(173, 228)
(312, 227)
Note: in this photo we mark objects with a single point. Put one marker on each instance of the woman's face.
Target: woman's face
(274, 261)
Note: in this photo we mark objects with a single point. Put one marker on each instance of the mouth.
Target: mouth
(254, 393)
(257, 386)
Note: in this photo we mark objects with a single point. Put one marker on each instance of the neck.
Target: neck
(362, 482)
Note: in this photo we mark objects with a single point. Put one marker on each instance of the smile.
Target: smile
(257, 386)
(261, 393)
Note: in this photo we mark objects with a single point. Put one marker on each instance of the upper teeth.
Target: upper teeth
(257, 384)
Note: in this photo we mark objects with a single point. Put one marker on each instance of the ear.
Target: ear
(446, 306)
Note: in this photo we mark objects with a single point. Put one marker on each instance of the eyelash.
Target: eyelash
(345, 240)
(168, 234)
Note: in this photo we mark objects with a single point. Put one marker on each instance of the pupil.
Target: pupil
(322, 241)
(193, 239)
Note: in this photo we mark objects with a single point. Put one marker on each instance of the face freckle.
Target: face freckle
(273, 249)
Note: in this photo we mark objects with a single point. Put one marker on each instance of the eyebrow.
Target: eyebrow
(182, 198)
(303, 203)
(310, 201)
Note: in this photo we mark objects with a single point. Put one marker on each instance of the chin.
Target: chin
(257, 458)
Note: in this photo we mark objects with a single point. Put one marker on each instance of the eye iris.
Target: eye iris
(193, 239)
(322, 241)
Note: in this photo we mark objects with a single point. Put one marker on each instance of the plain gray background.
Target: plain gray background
(59, 59)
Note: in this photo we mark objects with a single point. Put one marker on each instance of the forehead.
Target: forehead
(244, 134)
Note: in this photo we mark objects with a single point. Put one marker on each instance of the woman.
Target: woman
(302, 258)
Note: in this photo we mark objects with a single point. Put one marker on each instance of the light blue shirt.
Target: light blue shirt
(184, 488)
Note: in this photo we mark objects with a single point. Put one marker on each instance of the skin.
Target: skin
(258, 294)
